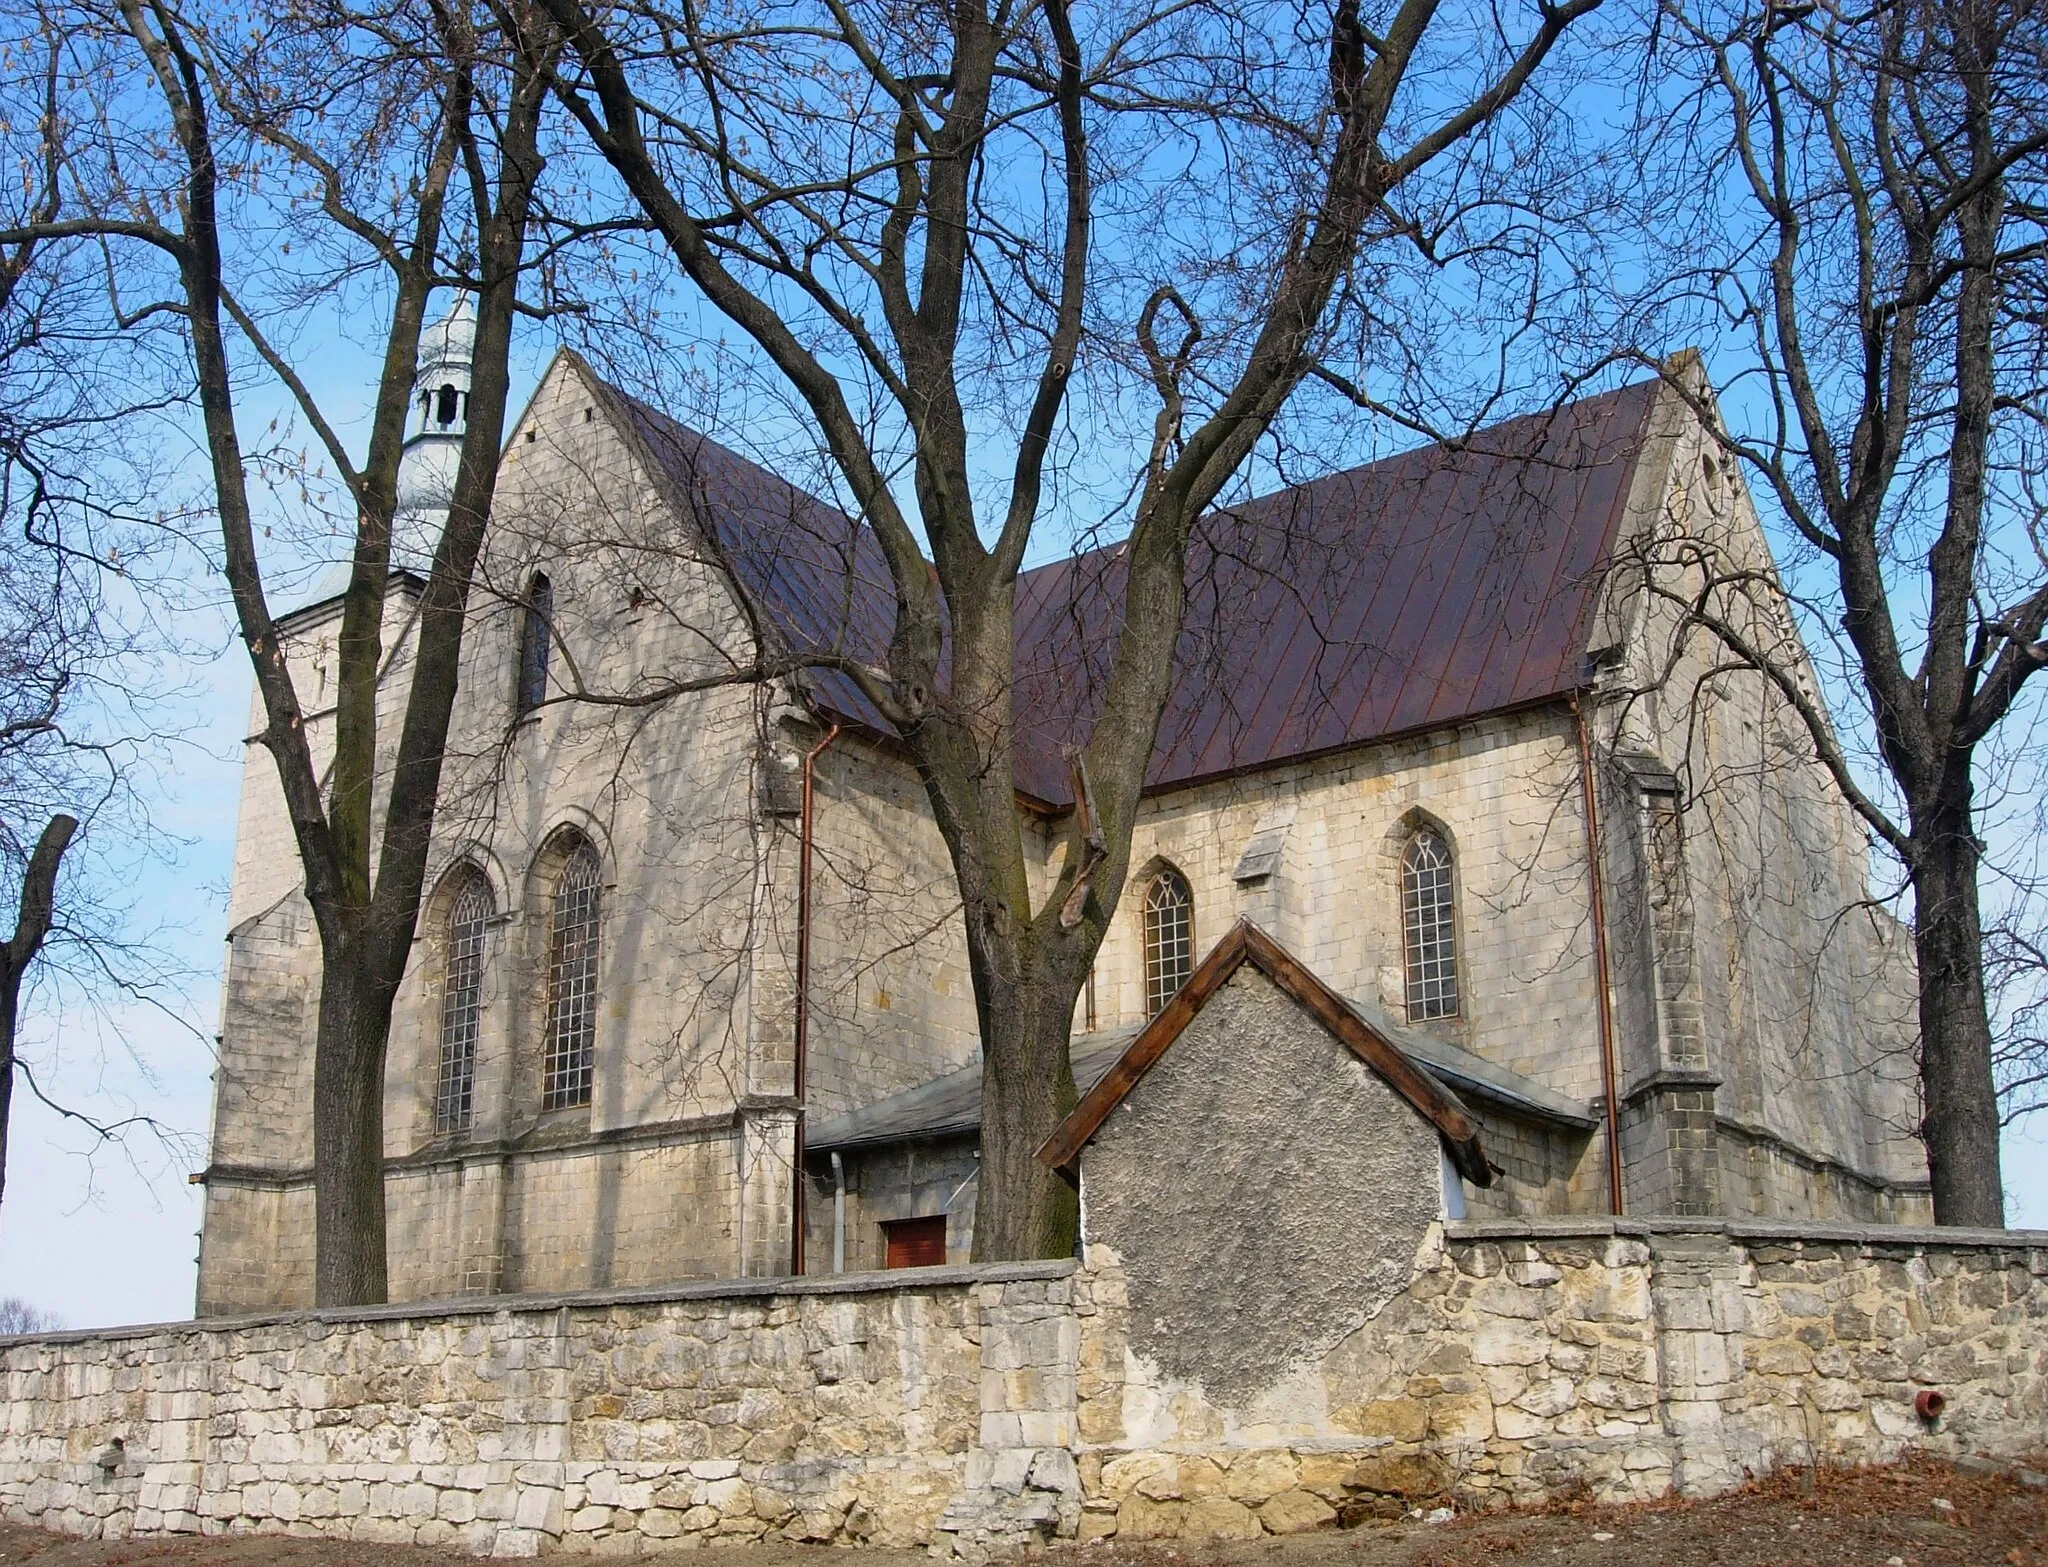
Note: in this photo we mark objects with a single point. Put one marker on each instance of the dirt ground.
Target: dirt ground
(1919, 1514)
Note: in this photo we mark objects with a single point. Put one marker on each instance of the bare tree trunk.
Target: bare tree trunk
(366, 922)
(32, 923)
(348, 1131)
(365, 950)
(1896, 158)
(1022, 1209)
(1960, 1108)
(911, 284)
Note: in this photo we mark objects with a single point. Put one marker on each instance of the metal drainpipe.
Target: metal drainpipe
(838, 1213)
(1607, 1072)
(803, 998)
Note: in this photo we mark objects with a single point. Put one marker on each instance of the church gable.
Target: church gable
(607, 581)
(815, 578)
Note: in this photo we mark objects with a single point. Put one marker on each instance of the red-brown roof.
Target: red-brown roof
(817, 579)
(1410, 593)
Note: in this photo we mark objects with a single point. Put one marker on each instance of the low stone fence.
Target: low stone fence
(851, 1409)
(969, 1408)
(1621, 1359)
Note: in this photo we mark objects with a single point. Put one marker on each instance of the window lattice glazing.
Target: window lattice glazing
(461, 1006)
(572, 985)
(1169, 939)
(1429, 928)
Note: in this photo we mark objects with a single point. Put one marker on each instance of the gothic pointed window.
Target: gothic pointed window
(572, 985)
(461, 1004)
(533, 643)
(1169, 938)
(1429, 927)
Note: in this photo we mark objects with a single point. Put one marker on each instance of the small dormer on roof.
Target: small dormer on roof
(1245, 944)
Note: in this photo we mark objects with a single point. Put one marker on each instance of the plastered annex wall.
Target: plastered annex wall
(1189, 1181)
(971, 1408)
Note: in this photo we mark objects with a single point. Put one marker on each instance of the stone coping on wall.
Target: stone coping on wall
(870, 1283)
(1772, 1231)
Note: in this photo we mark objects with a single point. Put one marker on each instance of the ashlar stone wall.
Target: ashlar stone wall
(858, 1412)
(1627, 1359)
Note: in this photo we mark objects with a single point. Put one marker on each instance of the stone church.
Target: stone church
(689, 996)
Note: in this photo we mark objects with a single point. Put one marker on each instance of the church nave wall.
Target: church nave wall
(892, 1003)
(1503, 792)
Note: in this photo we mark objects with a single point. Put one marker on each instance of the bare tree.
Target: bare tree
(1862, 195)
(2016, 979)
(84, 696)
(379, 143)
(903, 212)
(18, 1316)
(31, 926)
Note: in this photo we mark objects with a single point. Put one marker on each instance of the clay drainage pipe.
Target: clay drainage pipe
(803, 995)
(1928, 1404)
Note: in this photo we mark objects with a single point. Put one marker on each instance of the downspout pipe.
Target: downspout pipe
(803, 993)
(1589, 798)
(838, 1213)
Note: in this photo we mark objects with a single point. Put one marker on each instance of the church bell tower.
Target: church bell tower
(434, 429)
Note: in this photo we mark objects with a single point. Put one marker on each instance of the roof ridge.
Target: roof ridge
(1453, 445)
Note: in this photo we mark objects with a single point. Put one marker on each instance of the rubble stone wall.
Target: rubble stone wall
(1621, 1359)
(973, 1408)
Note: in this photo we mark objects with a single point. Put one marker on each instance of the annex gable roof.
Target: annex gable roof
(1246, 943)
(1422, 590)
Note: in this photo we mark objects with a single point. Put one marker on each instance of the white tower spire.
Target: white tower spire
(434, 429)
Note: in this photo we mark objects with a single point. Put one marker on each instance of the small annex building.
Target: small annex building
(1259, 1078)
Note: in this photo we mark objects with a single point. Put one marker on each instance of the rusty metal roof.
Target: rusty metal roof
(817, 579)
(1418, 591)
(949, 1106)
(1407, 594)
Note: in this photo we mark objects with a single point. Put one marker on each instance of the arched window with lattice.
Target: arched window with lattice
(572, 984)
(462, 988)
(1169, 938)
(1429, 936)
